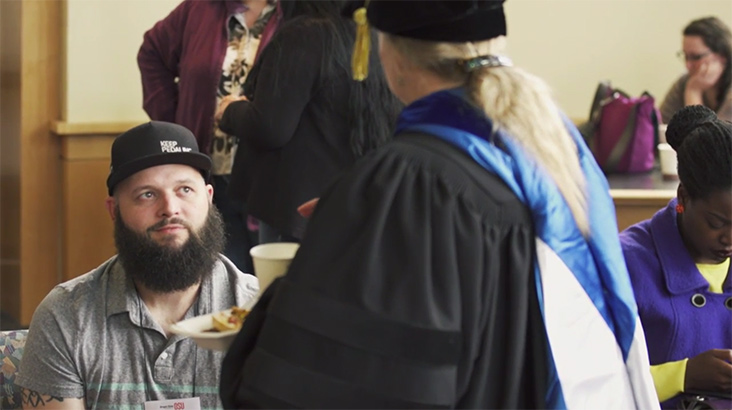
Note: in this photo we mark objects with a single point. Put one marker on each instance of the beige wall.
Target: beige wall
(572, 44)
(102, 39)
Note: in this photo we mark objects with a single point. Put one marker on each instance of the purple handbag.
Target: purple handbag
(623, 131)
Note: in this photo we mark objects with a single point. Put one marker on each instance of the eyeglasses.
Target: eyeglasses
(691, 57)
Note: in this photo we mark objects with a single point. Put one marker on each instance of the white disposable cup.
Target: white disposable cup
(667, 157)
(271, 260)
(662, 133)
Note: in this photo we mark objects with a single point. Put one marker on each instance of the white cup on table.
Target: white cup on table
(271, 260)
(669, 164)
(662, 133)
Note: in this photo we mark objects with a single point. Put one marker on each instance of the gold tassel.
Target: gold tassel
(362, 47)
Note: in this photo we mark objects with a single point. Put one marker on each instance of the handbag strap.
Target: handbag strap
(603, 91)
(613, 160)
(604, 95)
(655, 120)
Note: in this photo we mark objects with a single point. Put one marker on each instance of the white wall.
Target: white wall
(102, 39)
(572, 44)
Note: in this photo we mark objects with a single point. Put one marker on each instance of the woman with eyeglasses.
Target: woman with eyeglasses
(707, 52)
(679, 263)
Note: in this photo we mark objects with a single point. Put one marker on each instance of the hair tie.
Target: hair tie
(486, 61)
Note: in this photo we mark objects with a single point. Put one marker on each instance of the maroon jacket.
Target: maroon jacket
(190, 45)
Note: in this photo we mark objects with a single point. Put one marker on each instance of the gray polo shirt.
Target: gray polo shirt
(86, 339)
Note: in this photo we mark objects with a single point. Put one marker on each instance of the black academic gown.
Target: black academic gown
(413, 288)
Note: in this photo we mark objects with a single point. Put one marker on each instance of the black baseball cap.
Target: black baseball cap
(152, 144)
(455, 21)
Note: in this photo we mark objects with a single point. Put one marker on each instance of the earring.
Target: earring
(679, 209)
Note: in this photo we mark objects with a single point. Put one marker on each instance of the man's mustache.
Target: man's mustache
(169, 221)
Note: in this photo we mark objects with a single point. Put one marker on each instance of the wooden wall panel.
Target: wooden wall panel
(10, 157)
(88, 228)
(39, 152)
(630, 211)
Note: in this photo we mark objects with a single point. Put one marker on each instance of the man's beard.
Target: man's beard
(164, 269)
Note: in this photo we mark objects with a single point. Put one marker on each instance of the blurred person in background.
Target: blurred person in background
(707, 53)
(198, 55)
(304, 120)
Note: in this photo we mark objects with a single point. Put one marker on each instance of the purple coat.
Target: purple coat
(665, 278)
(189, 44)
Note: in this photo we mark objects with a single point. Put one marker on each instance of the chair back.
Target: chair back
(12, 343)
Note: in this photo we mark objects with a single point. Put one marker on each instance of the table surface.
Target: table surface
(647, 184)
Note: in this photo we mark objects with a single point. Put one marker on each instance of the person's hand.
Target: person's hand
(225, 103)
(308, 207)
(706, 76)
(710, 371)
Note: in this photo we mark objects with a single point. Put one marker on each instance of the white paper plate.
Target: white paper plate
(201, 330)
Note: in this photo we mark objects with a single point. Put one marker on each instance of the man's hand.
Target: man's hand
(710, 371)
(225, 103)
(706, 76)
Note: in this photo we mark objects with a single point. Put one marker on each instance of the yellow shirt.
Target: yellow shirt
(669, 377)
(714, 274)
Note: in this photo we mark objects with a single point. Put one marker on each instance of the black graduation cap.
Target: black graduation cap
(434, 20)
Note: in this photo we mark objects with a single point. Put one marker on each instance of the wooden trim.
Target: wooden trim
(63, 61)
(63, 128)
(40, 176)
(642, 194)
(88, 238)
(10, 12)
(92, 147)
(636, 205)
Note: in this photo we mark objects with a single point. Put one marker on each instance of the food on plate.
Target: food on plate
(231, 319)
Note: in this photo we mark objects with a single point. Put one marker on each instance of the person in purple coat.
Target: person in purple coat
(679, 264)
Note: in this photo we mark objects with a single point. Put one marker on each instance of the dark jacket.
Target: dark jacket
(294, 132)
(413, 288)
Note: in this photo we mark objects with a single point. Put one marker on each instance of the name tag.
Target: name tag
(191, 403)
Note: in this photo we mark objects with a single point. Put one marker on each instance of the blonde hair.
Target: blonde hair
(517, 102)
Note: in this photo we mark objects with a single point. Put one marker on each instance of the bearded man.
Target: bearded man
(103, 339)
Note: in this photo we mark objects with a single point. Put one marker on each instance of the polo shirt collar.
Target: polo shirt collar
(122, 296)
(120, 291)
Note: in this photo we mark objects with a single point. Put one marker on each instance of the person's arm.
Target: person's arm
(709, 371)
(668, 378)
(674, 100)
(702, 80)
(693, 96)
(725, 111)
(48, 374)
(34, 400)
(158, 60)
(288, 77)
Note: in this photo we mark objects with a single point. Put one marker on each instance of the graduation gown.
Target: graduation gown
(413, 287)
